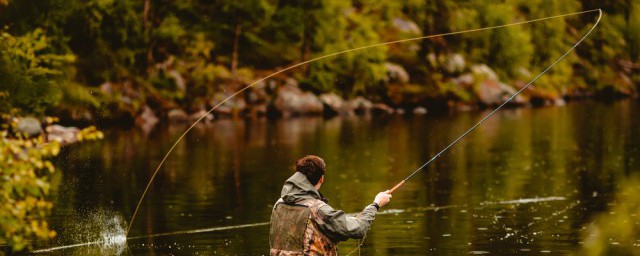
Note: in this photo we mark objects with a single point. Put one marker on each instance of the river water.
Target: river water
(529, 181)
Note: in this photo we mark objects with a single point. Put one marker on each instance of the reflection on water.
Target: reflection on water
(487, 195)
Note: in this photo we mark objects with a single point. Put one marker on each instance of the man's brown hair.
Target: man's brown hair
(311, 166)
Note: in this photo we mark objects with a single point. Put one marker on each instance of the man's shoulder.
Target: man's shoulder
(308, 202)
(313, 203)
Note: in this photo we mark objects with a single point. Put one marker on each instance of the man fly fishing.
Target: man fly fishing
(302, 223)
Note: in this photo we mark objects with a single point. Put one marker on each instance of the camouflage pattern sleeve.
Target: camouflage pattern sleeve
(338, 226)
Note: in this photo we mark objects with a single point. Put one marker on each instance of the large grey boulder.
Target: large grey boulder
(147, 119)
(360, 105)
(491, 92)
(420, 111)
(177, 116)
(396, 73)
(489, 89)
(483, 71)
(293, 101)
(61, 134)
(258, 99)
(29, 126)
(406, 25)
(233, 106)
(381, 108)
(177, 78)
(454, 63)
(334, 104)
(206, 117)
(466, 79)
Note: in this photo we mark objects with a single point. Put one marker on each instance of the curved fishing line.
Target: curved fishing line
(144, 193)
(503, 104)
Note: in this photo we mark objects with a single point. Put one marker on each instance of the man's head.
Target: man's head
(313, 167)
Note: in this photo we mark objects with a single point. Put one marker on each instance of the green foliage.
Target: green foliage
(551, 41)
(509, 48)
(32, 74)
(170, 29)
(166, 86)
(351, 73)
(618, 225)
(26, 173)
(633, 31)
(198, 63)
(76, 94)
(202, 73)
(88, 43)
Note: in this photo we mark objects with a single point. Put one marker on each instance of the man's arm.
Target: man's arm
(339, 227)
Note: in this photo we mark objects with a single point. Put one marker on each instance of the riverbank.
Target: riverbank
(285, 99)
(170, 95)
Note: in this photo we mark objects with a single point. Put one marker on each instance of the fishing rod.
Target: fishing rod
(397, 186)
(166, 156)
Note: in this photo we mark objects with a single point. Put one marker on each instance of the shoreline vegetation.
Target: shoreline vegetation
(26, 172)
(143, 63)
(140, 63)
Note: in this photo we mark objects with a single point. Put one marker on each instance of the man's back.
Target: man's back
(302, 223)
(294, 230)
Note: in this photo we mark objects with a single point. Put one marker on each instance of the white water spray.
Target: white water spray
(100, 232)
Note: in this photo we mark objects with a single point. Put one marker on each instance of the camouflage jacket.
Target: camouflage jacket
(302, 223)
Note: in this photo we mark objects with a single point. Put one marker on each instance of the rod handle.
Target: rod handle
(396, 187)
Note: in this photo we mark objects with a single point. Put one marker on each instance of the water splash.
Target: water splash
(100, 232)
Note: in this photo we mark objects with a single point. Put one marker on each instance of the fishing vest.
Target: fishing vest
(294, 230)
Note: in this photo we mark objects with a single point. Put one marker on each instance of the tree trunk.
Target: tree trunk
(147, 31)
(304, 53)
(145, 14)
(308, 31)
(236, 41)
